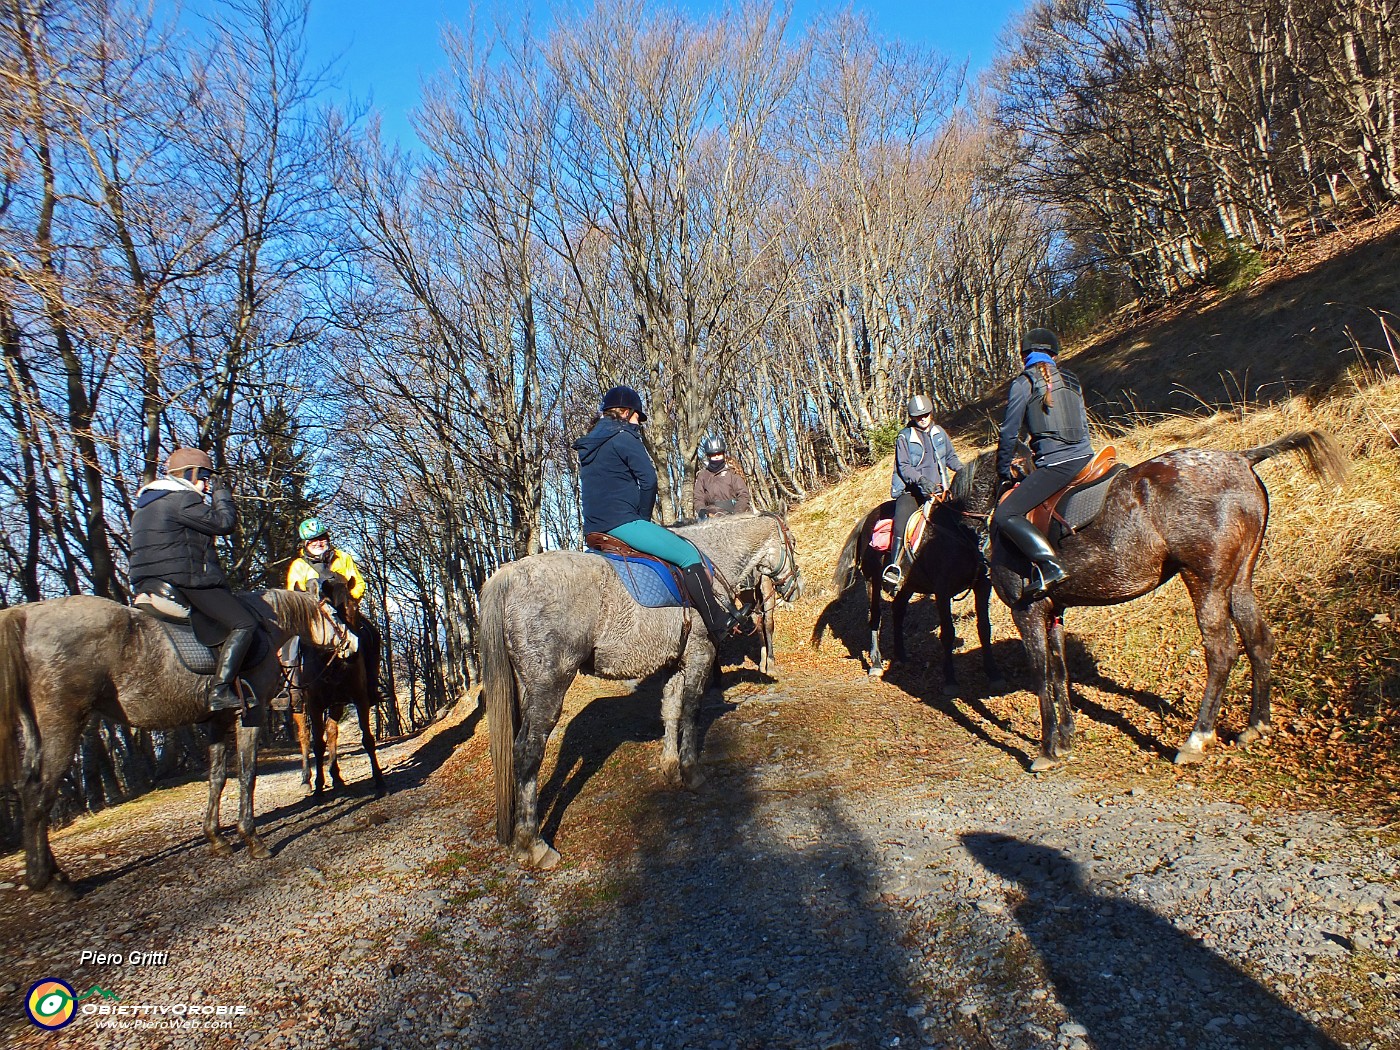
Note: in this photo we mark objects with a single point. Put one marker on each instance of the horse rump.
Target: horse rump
(14, 691)
(499, 694)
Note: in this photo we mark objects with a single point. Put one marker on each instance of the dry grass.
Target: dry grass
(1327, 579)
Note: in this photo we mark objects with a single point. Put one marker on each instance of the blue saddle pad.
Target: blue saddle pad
(651, 585)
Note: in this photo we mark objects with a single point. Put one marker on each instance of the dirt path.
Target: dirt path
(863, 868)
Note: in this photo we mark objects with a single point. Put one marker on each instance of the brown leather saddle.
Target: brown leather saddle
(1097, 469)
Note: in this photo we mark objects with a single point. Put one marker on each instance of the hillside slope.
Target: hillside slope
(1329, 577)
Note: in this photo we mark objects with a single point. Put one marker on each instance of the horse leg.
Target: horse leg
(304, 741)
(367, 740)
(877, 662)
(1218, 638)
(680, 705)
(316, 718)
(540, 707)
(332, 732)
(44, 764)
(768, 606)
(1259, 644)
(982, 599)
(899, 605)
(1059, 676)
(949, 639)
(218, 776)
(247, 777)
(1035, 637)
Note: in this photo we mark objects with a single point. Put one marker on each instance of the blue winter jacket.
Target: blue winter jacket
(615, 476)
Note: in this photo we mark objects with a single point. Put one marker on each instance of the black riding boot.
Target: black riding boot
(1047, 568)
(223, 697)
(894, 572)
(720, 617)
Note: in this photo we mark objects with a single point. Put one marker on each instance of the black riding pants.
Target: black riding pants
(219, 604)
(904, 509)
(1036, 488)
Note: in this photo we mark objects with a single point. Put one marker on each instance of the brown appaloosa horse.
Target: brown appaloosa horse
(329, 683)
(948, 562)
(1199, 513)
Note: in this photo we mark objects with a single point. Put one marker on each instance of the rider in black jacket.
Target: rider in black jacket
(172, 540)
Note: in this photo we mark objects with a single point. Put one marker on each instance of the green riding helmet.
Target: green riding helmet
(312, 529)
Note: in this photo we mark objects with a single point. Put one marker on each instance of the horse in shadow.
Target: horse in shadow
(1196, 513)
(544, 618)
(65, 659)
(948, 562)
(329, 684)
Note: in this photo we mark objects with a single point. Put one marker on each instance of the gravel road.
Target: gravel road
(858, 871)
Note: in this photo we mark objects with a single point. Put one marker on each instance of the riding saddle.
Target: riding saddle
(195, 637)
(882, 533)
(1078, 503)
(652, 583)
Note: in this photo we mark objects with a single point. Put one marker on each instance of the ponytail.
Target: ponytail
(1049, 395)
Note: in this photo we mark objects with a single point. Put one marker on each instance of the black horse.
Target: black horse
(1197, 513)
(948, 562)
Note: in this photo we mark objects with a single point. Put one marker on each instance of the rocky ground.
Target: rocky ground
(868, 865)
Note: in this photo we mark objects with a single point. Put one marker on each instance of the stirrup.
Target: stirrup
(893, 575)
(224, 698)
(1038, 586)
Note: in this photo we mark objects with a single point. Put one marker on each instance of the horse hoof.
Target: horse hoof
(950, 688)
(876, 672)
(693, 781)
(258, 850)
(1253, 733)
(1188, 758)
(1041, 763)
(540, 856)
(220, 845)
(60, 889)
(306, 789)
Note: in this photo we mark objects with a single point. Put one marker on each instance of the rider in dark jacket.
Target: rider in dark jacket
(1045, 402)
(719, 487)
(618, 487)
(172, 540)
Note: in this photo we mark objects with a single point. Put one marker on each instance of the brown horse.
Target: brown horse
(948, 562)
(330, 682)
(1197, 513)
(64, 659)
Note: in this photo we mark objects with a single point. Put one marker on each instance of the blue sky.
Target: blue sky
(385, 49)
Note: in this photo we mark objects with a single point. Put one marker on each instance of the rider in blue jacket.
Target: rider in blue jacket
(1045, 402)
(617, 482)
(924, 465)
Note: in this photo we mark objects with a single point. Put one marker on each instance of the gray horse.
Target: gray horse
(546, 617)
(63, 659)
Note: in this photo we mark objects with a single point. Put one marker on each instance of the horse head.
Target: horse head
(333, 627)
(778, 560)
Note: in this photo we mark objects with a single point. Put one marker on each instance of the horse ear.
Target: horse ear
(326, 592)
(782, 508)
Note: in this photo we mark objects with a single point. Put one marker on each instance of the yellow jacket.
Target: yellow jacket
(301, 573)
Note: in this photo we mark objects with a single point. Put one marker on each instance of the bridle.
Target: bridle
(340, 630)
(787, 575)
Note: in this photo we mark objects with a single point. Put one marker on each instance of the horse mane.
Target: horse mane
(296, 610)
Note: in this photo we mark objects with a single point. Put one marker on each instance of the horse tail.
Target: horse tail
(1325, 458)
(847, 569)
(843, 579)
(14, 691)
(502, 700)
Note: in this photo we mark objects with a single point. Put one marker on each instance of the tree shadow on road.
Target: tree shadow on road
(1125, 973)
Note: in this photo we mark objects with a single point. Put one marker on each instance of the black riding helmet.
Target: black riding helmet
(713, 446)
(623, 397)
(1041, 339)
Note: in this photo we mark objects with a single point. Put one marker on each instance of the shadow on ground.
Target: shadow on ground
(1127, 975)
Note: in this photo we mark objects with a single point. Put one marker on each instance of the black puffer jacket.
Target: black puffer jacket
(172, 534)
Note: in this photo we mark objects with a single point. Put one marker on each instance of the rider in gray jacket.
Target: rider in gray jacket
(924, 464)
